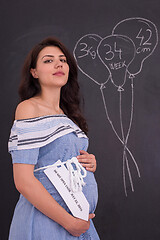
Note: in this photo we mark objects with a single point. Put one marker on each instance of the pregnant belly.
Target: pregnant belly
(90, 191)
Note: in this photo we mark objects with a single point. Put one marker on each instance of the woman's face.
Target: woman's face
(52, 69)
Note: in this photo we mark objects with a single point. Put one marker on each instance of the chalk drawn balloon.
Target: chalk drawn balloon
(85, 53)
(116, 53)
(144, 34)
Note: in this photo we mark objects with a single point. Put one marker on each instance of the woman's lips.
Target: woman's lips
(58, 73)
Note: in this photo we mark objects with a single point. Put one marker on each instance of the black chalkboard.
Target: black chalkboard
(116, 45)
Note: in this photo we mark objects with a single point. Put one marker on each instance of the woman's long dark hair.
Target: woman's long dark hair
(70, 96)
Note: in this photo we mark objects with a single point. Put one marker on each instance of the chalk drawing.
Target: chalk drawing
(120, 56)
(144, 34)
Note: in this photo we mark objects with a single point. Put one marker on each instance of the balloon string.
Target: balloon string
(124, 141)
(124, 149)
(130, 124)
(120, 114)
(125, 159)
(106, 111)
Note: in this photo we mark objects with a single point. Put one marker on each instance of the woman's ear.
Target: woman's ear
(33, 72)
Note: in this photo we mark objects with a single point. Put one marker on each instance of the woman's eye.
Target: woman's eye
(48, 61)
(63, 60)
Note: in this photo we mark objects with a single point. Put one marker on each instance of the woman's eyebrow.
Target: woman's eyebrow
(48, 55)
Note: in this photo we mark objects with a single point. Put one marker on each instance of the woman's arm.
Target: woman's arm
(87, 160)
(36, 194)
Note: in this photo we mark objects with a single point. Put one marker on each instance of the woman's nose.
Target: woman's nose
(58, 63)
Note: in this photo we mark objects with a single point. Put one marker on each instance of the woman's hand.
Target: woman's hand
(87, 160)
(79, 226)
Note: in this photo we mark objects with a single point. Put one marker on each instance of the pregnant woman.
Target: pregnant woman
(48, 127)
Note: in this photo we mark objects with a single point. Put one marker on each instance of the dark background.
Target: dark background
(23, 24)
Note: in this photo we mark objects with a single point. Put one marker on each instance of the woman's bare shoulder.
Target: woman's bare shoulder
(26, 109)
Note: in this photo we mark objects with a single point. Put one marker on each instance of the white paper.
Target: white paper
(76, 201)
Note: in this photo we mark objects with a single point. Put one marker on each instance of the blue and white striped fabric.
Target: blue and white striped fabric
(42, 141)
(39, 131)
